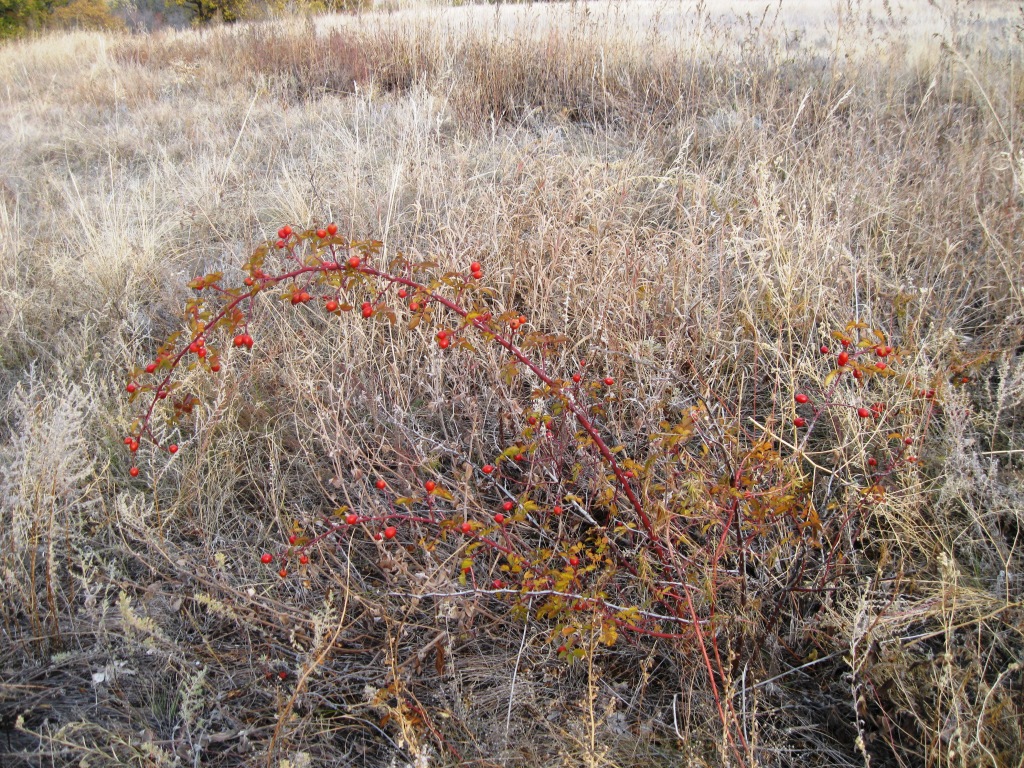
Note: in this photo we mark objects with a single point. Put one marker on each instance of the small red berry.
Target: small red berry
(556, 510)
(413, 306)
(332, 229)
(353, 262)
(201, 352)
(292, 539)
(576, 378)
(497, 584)
(499, 518)
(215, 367)
(381, 485)
(390, 531)
(881, 351)
(151, 368)
(402, 293)
(132, 386)
(562, 649)
(466, 527)
(858, 374)
(367, 309)
(478, 275)
(843, 359)
(304, 296)
(801, 398)
(282, 675)
(608, 381)
(487, 469)
(430, 485)
(880, 365)
(444, 342)
(507, 506)
(513, 324)
(930, 394)
(133, 446)
(351, 519)
(129, 440)
(267, 558)
(912, 459)
(474, 267)
(519, 457)
(283, 573)
(172, 448)
(908, 441)
(864, 413)
(321, 233)
(331, 306)
(279, 244)
(574, 561)
(239, 340)
(872, 462)
(304, 559)
(134, 471)
(799, 421)
(845, 342)
(824, 349)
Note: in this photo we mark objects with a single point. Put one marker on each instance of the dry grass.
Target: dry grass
(694, 211)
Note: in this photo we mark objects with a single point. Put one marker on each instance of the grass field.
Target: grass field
(697, 197)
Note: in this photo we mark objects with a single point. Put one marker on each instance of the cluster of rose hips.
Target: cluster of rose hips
(874, 411)
(389, 531)
(298, 296)
(882, 351)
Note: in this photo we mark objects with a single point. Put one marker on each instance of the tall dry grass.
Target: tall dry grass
(694, 199)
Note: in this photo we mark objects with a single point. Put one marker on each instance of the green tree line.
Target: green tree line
(18, 16)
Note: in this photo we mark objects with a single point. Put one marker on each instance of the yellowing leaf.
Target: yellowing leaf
(609, 633)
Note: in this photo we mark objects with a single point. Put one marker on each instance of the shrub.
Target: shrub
(673, 537)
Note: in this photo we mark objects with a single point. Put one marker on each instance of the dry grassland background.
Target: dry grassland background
(695, 195)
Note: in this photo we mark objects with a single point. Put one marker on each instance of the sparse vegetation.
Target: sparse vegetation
(716, 213)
